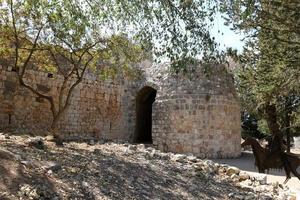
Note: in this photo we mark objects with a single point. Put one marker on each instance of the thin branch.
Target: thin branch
(30, 53)
(68, 44)
(55, 61)
(35, 49)
(61, 92)
(286, 41)
(77, 72)
(48, 98)
(70, 59)
(67, 103)
(15, 34)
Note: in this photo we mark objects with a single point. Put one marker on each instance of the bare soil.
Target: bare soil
(101, 171)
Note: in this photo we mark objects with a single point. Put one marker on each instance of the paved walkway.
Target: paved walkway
(246, 163)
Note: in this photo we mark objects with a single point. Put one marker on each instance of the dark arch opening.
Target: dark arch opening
(143, 128)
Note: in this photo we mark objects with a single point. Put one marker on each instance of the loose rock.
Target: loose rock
(126, 171)
(37, 143)
(232, 170)
(243, 176)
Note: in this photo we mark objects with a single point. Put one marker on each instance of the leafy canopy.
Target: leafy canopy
(270, 61)
(51, 33)
(172, 30)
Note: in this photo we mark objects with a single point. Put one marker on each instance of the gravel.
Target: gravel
(97, 170)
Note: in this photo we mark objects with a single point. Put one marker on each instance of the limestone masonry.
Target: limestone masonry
(196, 113)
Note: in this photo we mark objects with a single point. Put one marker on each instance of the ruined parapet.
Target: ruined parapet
(196, 113)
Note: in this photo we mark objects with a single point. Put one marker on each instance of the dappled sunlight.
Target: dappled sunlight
(109, 171)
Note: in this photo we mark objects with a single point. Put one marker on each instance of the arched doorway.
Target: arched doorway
(143, 128)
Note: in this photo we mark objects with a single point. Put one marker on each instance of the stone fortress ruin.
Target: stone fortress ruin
(197, 113)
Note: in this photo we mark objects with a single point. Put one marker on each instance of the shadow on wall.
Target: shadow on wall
(143, 129)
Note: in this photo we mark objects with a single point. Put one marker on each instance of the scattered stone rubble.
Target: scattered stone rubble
(94, 170)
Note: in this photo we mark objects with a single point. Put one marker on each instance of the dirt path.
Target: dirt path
(246, 163)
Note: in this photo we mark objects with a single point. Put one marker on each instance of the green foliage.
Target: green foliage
(173, 30)
(185, 65)
(176, 30)
(40, 60)
(67, 37)
(263, 127)
(116, 58)
(269, 73)
(58, 36)
(251, 127)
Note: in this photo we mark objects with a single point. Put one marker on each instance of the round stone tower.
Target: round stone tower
(196, 113)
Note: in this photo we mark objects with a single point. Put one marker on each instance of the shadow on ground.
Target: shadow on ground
(100, 174)
(14, 176)
(246, 163)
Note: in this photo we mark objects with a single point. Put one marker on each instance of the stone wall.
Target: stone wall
(204, 125)
(197, 113)
(98, 109)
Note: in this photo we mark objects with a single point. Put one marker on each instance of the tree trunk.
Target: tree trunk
(287, 123)
(53, 129)
(272, 119)
(288, 140)
(277, 140)
(57, 116)
(277, 147)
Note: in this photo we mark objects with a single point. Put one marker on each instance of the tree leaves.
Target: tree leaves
(270, 61)
(171, 29)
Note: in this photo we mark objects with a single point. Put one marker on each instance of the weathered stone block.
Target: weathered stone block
(9, 87)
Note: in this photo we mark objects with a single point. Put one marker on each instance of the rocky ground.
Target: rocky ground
(34, 168)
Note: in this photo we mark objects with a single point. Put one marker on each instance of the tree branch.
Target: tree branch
(30, 53)
(67, 103)
(15, 35)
